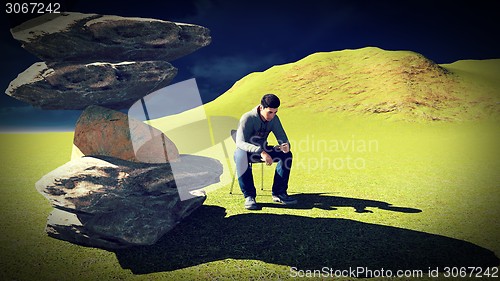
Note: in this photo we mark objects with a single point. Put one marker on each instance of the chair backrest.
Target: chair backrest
(233, 135)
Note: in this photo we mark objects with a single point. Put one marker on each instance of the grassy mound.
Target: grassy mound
(398, 85)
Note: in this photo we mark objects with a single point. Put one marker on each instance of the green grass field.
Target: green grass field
(395, 167)
(419, 194)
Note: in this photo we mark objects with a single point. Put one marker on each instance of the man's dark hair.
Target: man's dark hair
(270, 100)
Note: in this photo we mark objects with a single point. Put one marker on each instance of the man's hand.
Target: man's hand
(266, 158)
(285, 147)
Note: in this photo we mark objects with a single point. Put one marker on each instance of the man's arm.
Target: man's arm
(243, 135)
(279, 132)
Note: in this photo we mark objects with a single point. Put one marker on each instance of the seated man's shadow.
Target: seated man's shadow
(302, 242)
(320, 201)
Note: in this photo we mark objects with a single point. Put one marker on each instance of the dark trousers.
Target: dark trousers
(243, 161)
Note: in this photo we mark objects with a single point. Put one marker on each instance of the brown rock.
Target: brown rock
(102, 131)
(92, 37)
(77, 85)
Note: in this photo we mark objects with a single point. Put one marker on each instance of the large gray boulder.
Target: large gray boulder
(110, 203)
(92, 37)
(78, 85)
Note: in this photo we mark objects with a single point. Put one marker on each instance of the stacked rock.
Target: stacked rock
(111, 194)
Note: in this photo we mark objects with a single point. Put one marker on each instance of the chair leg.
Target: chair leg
(232, 184)
(261, 179)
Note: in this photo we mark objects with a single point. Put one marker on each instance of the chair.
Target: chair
(233, 136)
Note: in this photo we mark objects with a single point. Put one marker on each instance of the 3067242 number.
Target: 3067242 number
(471, 272)
(32, 8)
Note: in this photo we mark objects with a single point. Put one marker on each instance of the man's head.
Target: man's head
(269, 106)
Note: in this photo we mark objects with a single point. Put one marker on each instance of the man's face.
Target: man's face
(268, 113)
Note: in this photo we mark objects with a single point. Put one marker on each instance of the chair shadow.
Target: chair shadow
(319, 200)
(302, 242)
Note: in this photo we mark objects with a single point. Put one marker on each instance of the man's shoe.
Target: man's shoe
(250, 203)
(284, 199)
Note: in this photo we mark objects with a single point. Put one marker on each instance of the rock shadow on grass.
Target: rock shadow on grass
(301, 242)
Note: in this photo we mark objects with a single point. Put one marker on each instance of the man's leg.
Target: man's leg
(244, 173)
(282, 172)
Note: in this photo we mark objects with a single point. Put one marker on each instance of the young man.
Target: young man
(251, 147)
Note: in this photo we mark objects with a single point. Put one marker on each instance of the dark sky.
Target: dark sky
(249, 36)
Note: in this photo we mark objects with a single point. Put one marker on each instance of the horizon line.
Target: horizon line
(35, 130)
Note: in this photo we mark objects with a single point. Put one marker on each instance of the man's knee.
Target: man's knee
(241, 160)
(240, 155)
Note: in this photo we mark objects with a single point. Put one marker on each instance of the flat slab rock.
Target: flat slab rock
(111, 203)
(91, 37)
(78, 85)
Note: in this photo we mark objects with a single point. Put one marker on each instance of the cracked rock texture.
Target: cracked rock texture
(78, 85)
(92, 37)
(112, 203)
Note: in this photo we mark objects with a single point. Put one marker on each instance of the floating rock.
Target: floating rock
(102, 131)
(111, 203)
(92, 37)
(76, 85)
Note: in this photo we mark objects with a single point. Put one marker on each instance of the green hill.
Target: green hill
(396, 85)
